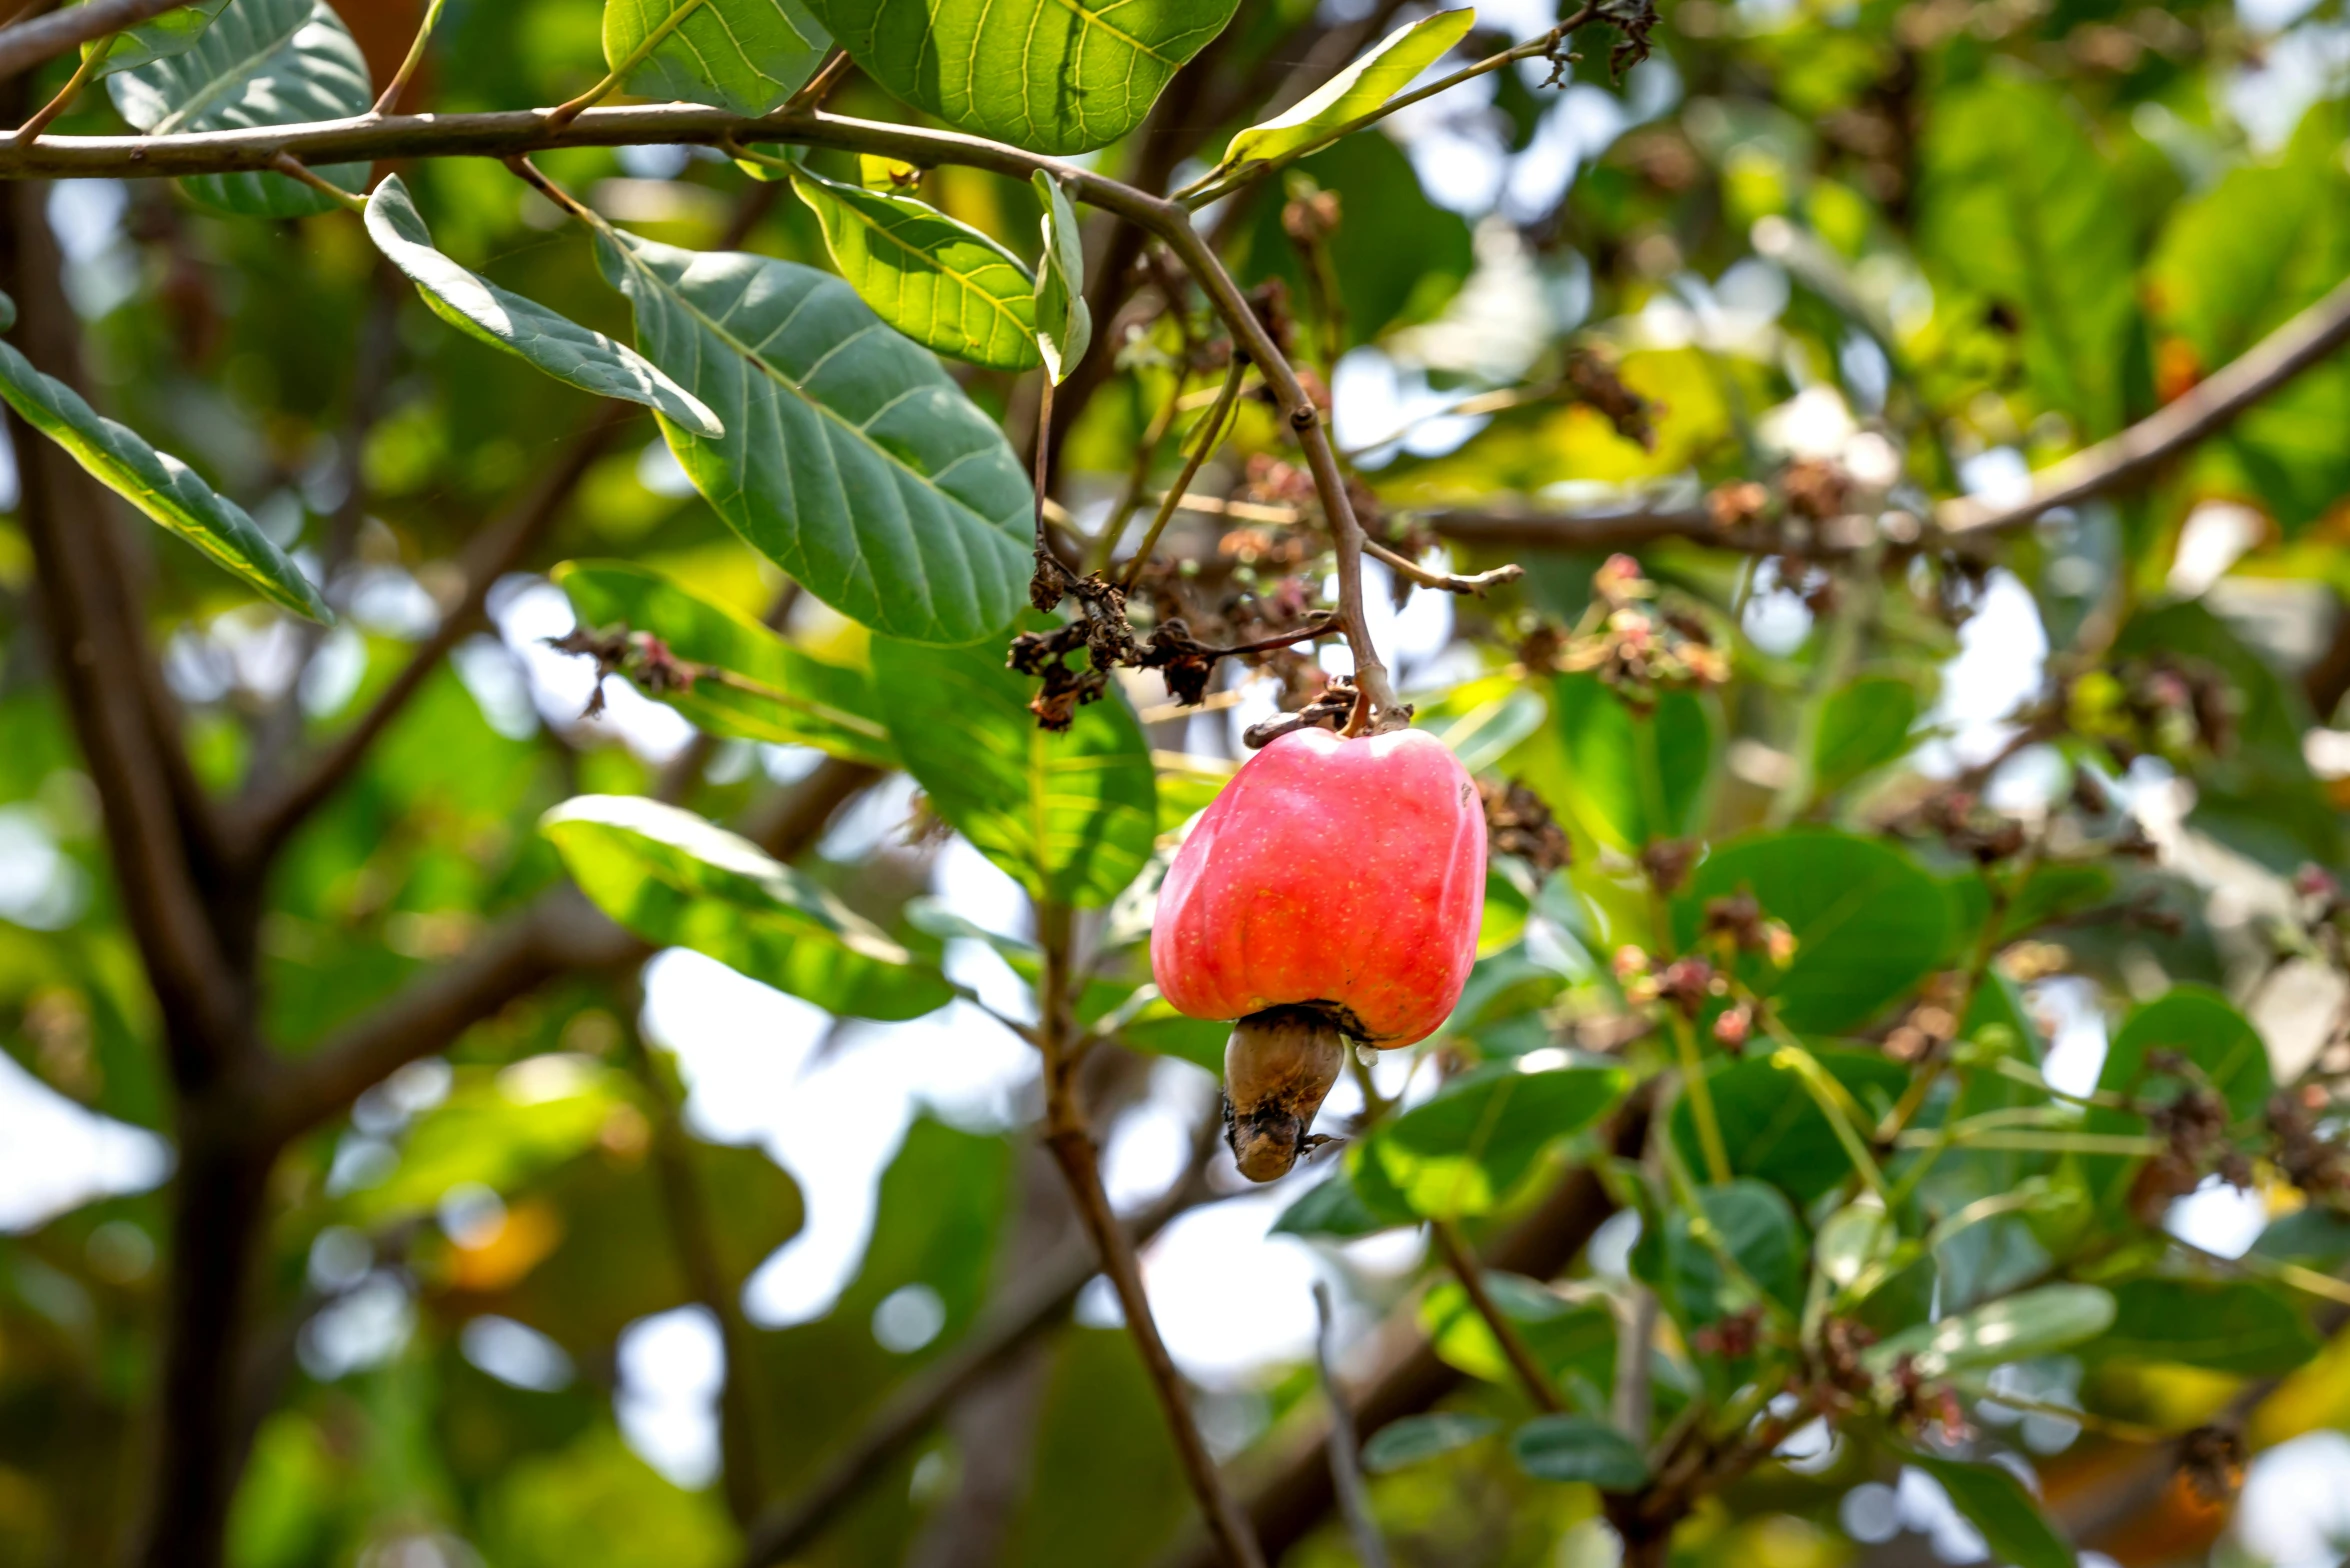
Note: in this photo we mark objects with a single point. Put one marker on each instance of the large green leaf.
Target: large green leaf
(1772, 1128)
(2014, 1328)
(1064, 322)
(1057, 76)
(2231, 266)
(174, 32)
(1863, 725)
(1353, 92)
(744, 55)
(849, 459)
(1869, 923)
(2236, 1326)
(1630, 778)
(260, 63)
(940, 282)
(1996, 1503)
(524, 328)
(816, 703)
(2017, 204)
(680, 881)
(1071, 816)
(1464, 1150)
(1574, 1340)
(157, 483)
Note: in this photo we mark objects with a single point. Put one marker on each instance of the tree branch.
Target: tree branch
(2306, 340)
(1346, 1471)
(1045, 1299)
(1294, 1489)
(27, 44)
(268, 818)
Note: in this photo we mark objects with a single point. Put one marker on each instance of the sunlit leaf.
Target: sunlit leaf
(1355, 91)
(1069, 816)
(2014, 1328)
(174, 32)
(744, 55)
(849, 459)
(158, 484)
(679, 881)
(1055, 76)
(260, 63)
(524, 328)
(806, 701)
(1750, 1221)
(1465, 1149)
(1064, 323)
(941, 282)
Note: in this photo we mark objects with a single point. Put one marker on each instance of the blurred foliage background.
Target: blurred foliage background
(1812, 261)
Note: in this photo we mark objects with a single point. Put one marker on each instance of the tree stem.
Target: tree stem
(1463, 1264)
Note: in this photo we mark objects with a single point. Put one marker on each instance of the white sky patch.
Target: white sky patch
(672, 1367)
(2295, 1511)
(60, 1156)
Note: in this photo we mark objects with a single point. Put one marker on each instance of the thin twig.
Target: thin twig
(1211, 435)
(48, 112)
(1412, 571)
(563, 114)
(390, 97)
(818, 87)
(1071, 1142)
(295, 169)
(1520, 1355)
(1346, 1471)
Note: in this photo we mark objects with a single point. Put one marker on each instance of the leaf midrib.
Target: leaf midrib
(242, 70)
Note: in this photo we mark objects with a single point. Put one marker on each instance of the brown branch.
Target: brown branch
(1211, 434)
(96, 651)
(1040, 1302)
(1514, 1349)
(270, 815)
(2306, 340)
(1294, 1489)
(27, 44)
(1071, 1142)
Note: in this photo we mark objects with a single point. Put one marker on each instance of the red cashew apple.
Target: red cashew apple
(1332, 892)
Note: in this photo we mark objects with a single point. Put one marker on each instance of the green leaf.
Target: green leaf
(1574, 1341)
(1415, 1438)
(2018, 205)
(1064, 324)
(1054, 76)
(2014, 1328)
(1332, 1209)
(158, 484)
(1869, 922)
(1578, 1448)
(1997, 1504)
(2313, 1236)
(174, 32)
(260, 63)
(1854, 1240)
(1772, 1128)
(1466, 1148)
(942, 283)
(828, 706)
(679, 881)
(524, 328)
(497, 1130)
(850, 459)
(1752, 1222)
(1071, 817)
(1353, 92)
(744, 55)
(1864, 725)
(2234, 1326)
(1630, 780)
